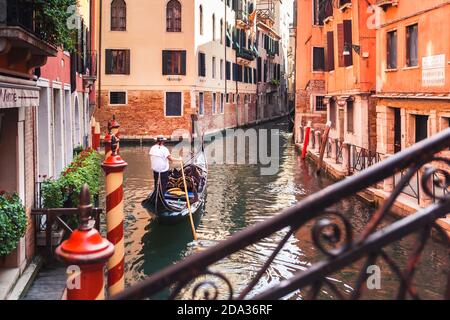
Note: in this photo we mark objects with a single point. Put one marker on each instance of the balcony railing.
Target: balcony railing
(332, 234)
(246, 54)
(266, 10)
(25, 14)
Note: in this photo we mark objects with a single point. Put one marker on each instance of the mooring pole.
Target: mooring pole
(323, 145)
(114, 167)
(85, 253)
(306, 140)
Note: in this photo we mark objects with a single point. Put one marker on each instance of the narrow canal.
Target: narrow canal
(238, 197)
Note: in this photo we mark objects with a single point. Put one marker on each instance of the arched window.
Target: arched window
(214, 27)
(173, 16)
(118, 15)
(201, 20)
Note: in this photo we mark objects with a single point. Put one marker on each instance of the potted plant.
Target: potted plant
(13, 223)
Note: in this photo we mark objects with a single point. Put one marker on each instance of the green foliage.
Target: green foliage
(13, 222)
(77, 150)
(54, 18)
(275, 82)
(65, 192)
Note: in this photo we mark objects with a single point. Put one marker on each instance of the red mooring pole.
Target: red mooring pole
(306, 140)
(85, 253)
(114, 167)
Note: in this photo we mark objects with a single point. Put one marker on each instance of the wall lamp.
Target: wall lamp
(349, 46)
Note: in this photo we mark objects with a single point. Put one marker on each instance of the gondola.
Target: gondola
(170, 207)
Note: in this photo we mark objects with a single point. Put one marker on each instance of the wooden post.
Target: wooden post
(324, 145)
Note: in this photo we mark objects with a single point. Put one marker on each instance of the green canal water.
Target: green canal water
(239, 197)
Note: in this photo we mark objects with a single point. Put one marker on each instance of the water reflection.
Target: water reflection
(237, 197)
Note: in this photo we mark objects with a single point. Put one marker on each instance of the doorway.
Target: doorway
(397, 130)
(421, 127)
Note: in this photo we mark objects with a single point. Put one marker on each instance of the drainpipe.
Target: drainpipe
(99, 66)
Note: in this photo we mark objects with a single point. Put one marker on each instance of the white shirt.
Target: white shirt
(158, 155)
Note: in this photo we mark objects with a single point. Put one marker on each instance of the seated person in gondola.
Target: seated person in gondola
(160, 157)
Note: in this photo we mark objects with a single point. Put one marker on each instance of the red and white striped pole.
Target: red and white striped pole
(85, 253)
(306, 140)
(114, 167)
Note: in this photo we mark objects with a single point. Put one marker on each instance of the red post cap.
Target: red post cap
(114, 161)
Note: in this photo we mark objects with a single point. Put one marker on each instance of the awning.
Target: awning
(255, 50)
(18, 96)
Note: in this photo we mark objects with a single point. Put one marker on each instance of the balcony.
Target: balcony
(242, 19)
(385, 4)
(25, 44)
(266, 12)
(245, 56)
(90, 68)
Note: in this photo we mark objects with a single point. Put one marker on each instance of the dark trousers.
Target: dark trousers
(164, 180)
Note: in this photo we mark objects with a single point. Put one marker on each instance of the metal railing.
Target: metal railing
(361, 158)
(332, 234)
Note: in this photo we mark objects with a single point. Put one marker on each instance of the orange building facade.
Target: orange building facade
(413, 72)
(336, 68)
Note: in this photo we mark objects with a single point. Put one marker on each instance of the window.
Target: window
(333, 113)
(348, 38)
(330, 51)
(392, 50)
(117, 61)
(174, 62)
(221, 69)
(221, 31)
(201, 20)
(214, 102)
(200, 103)
(319, 103)
(173, 16)
(173, 104)
(202, 64)
(322, 9)
(214, 28)
(318, 59)
(350, 116)
(228, 70)
(117, 98)
(213, 67)
(412, 48)
(222, 103)
(118, 15)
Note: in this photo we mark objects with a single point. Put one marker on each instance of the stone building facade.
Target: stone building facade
(175, 59)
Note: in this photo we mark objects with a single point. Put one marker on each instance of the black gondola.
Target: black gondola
(171, 207)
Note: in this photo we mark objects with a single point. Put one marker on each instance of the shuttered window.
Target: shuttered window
(117, 61)
(348, 38)
(318, 59)
(202, 64)
(412, 46)
(228, 70)
(340, 30)
(330, 51)
(173, 104)
(259, 69)
(214, 103)
(200, 103)
(392, 50)
(118, 15)
(255, 79)
(174, 62)
(117, 97)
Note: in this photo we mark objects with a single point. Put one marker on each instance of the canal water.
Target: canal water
(238, 196)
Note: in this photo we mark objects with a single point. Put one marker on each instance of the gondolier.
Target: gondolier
(160, 157)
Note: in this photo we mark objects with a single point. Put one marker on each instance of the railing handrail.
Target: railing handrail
(304, 211)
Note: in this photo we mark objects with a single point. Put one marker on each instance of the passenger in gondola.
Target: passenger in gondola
(160, 157)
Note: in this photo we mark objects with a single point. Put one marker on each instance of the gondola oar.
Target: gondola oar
(194, 233)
